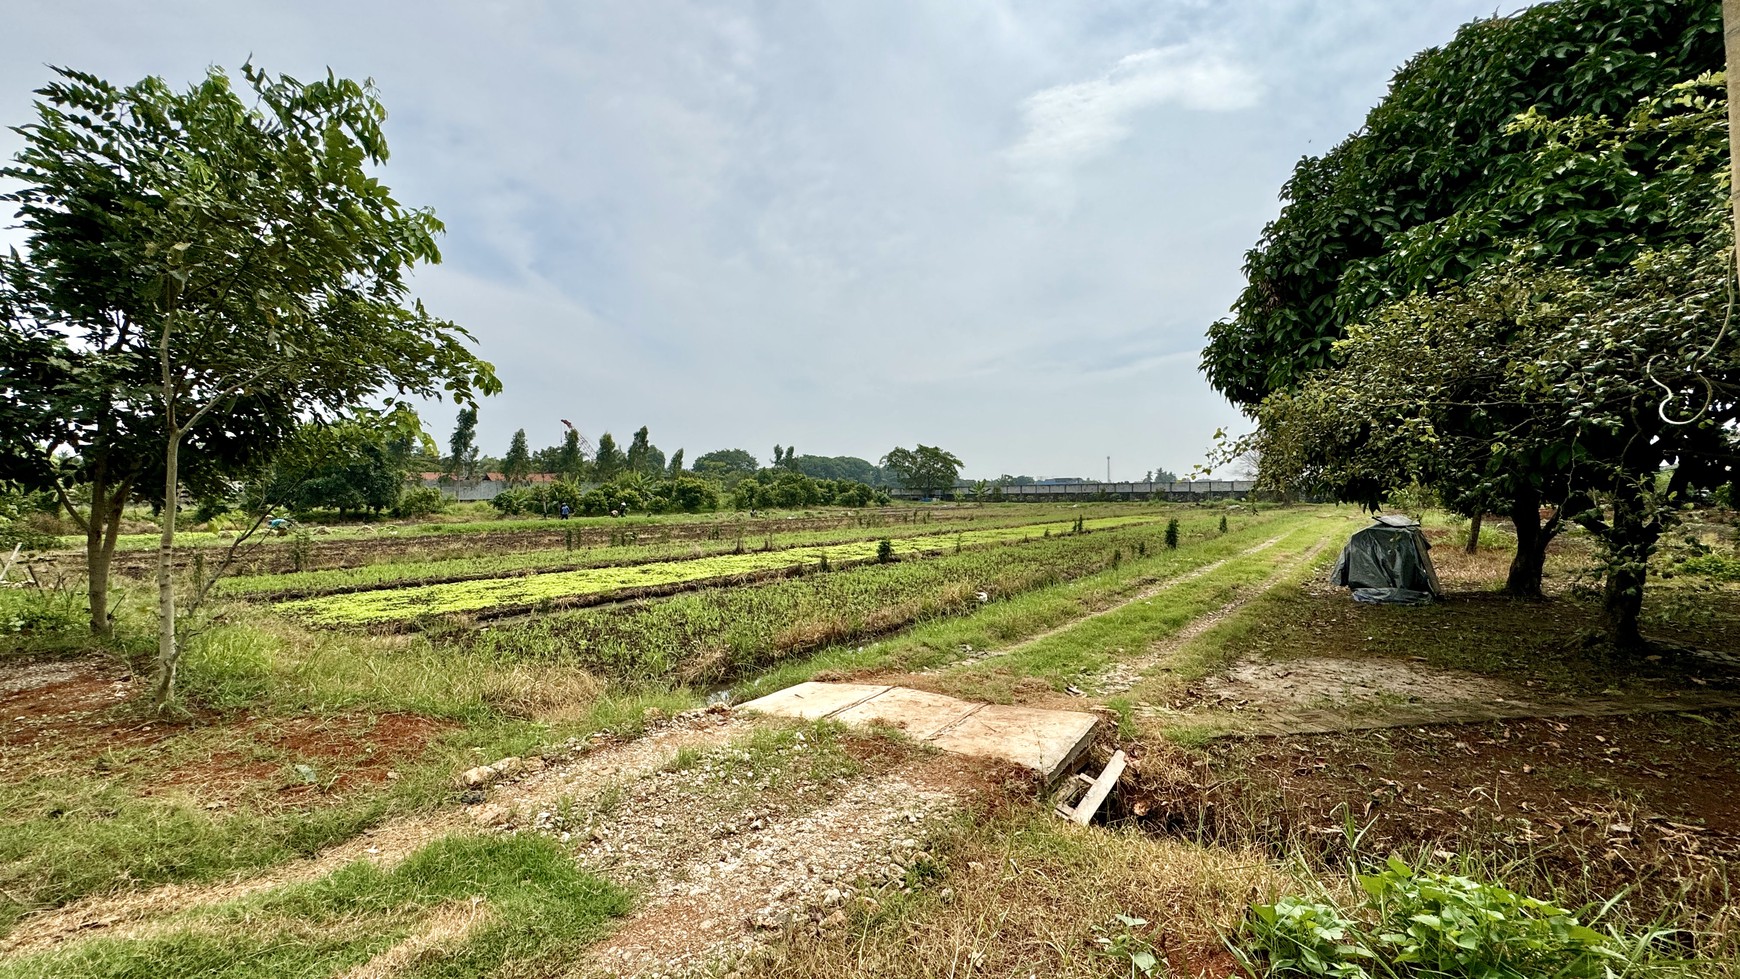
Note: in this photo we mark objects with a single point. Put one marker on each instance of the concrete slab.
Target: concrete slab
(813, 701)
(918, 713)
(1047, 741)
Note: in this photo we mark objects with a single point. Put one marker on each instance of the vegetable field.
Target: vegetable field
(588, 586)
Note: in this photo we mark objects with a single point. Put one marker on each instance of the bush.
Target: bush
(420, 501)
(1718, 566)
(1172, 533)
(1424, 924)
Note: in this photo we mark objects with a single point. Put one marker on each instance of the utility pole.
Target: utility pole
(1109, 458)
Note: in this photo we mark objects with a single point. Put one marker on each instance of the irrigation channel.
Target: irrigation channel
(496, 597)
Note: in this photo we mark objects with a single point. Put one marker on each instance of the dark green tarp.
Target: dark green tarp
(1388, 563)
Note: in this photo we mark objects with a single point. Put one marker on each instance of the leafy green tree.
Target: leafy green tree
(1540, 380)
(221, 267)
(516, 466)
(570, 460)
(926, 469)
(839, 467)
(727, 465)
(1427, 191)
(353, 465)
(676, 467)
(643, 457)
(462, 446)
(607, 460)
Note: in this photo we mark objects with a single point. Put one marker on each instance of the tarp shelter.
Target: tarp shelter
(1388, 563)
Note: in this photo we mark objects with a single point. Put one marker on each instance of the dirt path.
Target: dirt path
(1123, 675)
(761, 871)
(1144, 595)
(583, 771)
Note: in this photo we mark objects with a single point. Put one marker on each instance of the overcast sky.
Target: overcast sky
(998, 227)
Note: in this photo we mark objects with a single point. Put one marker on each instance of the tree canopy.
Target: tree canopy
(1437, 184)
(209, 271)
(926, 469)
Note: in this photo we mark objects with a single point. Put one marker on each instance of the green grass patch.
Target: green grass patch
(515, 900)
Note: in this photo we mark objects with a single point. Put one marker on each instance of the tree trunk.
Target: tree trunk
(1474, 523)
(1731, 46)
(1631, 537)
(101, 531)
(1527, 567)
(97, 559)
(163, 686)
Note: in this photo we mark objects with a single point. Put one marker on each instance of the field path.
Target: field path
(587, 771)
(1145, 594)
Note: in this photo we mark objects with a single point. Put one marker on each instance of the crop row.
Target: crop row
(733, 539)
(717, 634)
(509, 595)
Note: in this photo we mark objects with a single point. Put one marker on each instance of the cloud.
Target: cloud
(1070, 124)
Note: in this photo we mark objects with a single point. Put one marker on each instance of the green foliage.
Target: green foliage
(1121, 940)
(516, 466)
(353, 465)
(462, 445)
(1721, 567)
(1223, 523)
(539, 910)
(884, 551)
(1172, 532)
(409, 604)
(607, 460)
(728, 465)
(1417, 923)
(926, 469)
(421, 501)
(1432, 189)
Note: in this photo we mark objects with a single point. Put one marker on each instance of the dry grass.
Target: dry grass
(1026, 894)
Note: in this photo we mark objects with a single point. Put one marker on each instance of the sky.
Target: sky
(997, 227)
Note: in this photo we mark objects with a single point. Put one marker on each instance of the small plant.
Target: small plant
(1117, 556)
(1223, 523)
(884, 551)
(1120, 941)
(1421, 923)
(1172, 534)
(824, 561)
(1141, 548)
(301, 550)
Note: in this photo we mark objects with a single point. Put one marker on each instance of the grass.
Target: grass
(1001, 623)
(479, 904)
(719, 634)
(533, 591)
(1021, 893)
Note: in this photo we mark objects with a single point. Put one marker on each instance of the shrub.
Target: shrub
(1424, 924)
(1223, 523)
(884, 551)
(420, 501)
(1172, 533)
(1718, 566)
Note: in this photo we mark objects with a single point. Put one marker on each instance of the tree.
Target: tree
(462, 446)
(607, 459)
(926, 469)
(216, 270)
(516, 466)
(353, 465)
(570, 460)
(728, 465)
(1605, 393)
(643, 457)
(676, 468)
(1387, 212)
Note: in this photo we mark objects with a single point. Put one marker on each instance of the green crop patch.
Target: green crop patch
(587, 586)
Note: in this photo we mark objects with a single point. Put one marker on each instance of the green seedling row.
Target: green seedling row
(404, 574)
(506, 595)
(720, 633)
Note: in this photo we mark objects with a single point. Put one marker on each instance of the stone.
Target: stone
(475, 778)
(510, 766)
(834, 920)
(832, 898)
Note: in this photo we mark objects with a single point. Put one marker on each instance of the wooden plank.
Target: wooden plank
(1102, 787)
